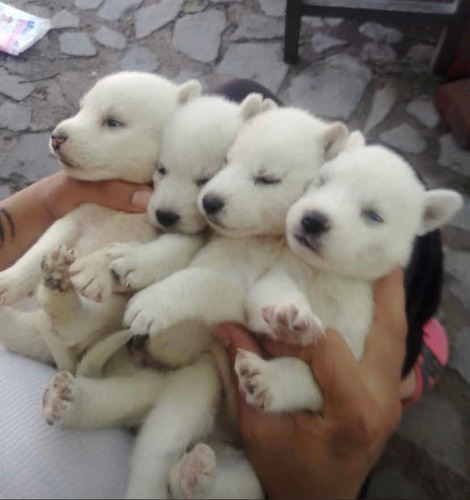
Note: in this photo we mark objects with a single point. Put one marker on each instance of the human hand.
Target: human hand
(329, 454)
(62, 193)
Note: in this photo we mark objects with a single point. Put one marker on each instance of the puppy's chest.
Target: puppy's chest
(243, 261)
(102, 227)
(343, 304)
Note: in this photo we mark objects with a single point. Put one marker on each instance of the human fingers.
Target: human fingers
(258, 429)
(236, 337)
(117, 194)
(63, 193)
(334, 368)
(384, 349)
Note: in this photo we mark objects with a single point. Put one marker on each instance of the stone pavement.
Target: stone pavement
(373, 78)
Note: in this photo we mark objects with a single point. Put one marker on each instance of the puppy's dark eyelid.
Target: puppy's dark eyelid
(266, 180)
(372, 216)
(112, 123)
(162, 170)
(203, 180)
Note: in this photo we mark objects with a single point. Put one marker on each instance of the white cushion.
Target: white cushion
(39, 461)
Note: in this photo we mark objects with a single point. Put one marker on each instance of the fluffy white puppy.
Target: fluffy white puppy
(193, 149)
(354, 225)
(269, 166)
(115, 135)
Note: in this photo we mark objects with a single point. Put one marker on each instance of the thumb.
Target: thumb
(117, 194)
(140, 199)
(333, 366)
(235, 337)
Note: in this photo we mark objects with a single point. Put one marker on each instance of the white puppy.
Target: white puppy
(354, 225)
(194, 147)
(269, 166)
(115, 135)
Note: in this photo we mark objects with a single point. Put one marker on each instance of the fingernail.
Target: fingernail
(141, 198)
(223, 334)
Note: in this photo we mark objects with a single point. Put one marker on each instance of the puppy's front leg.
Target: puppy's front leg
(138, 266)
(21, 279)
(277, 308)
(277, 385)
(73, 318)
(91, 276)
(191, 294)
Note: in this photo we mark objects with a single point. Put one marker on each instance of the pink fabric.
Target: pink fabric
(435, 339)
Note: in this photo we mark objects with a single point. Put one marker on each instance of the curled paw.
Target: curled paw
(144, 314)
(293, 324)
(192, 476)
(59, 398)
(254, 379)
(91, 278)
(55, 268)
(126, 264)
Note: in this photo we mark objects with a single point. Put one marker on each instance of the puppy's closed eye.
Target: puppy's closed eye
(112, 123)
(203, 180)
(372, 216)
(266, 180)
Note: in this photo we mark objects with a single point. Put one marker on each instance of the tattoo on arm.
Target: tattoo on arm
(6, 221)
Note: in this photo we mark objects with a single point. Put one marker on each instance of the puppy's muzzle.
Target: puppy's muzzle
(212, 204)
(57, 140)
(167, 218)
(315, 223)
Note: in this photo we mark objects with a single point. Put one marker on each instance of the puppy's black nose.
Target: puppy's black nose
(167, 218)
(57, 140)
(212, 204)
(314, 222)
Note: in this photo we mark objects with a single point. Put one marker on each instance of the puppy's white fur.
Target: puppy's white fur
(370, 206)
(115, 134)
(194, 146)
(269, 166)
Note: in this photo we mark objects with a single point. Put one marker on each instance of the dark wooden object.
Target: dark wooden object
(451, 14)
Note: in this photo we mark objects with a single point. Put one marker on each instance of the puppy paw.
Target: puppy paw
(126, 264)
(145, 314)
(254, 379)
(193, 475)
(55, 269)
(59, 399)
(91, 277)
(293, 324)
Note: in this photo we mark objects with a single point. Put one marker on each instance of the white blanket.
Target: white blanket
(39, 461)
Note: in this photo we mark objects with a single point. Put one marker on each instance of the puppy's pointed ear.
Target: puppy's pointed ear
(440, 205)
(355, 140)
(251, 106)
(335, 139)
(188, 91)
(269, 104)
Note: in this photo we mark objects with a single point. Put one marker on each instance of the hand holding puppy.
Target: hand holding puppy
(63, 193)
(28, 213)
(328, 455)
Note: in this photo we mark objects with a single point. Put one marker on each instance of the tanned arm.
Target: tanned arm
(25, 215)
